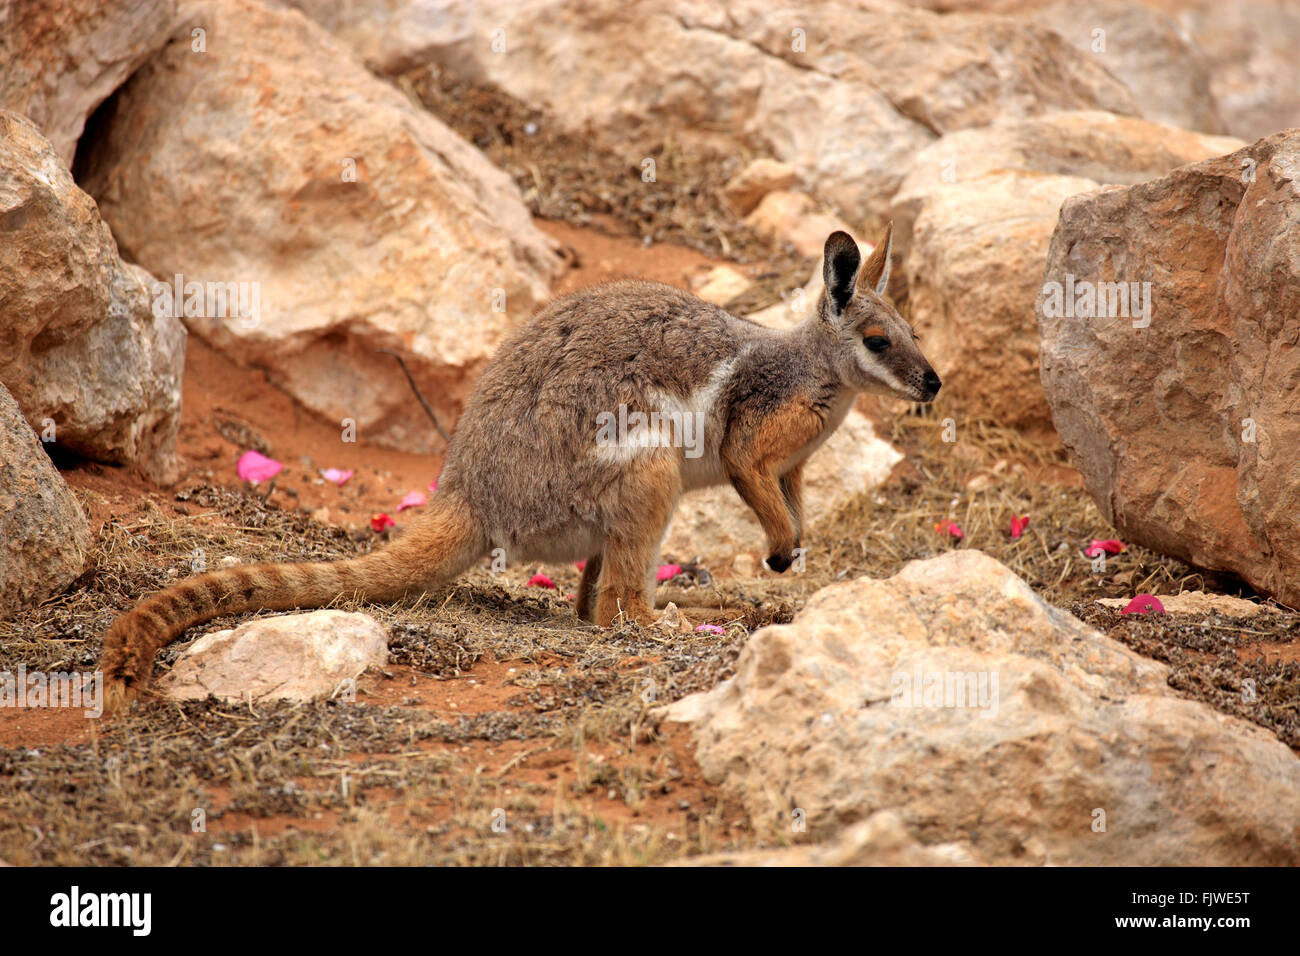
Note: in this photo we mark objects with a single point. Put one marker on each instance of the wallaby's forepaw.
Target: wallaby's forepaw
(778, 562)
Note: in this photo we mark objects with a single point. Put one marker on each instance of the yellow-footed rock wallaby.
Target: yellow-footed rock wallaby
(581, 434)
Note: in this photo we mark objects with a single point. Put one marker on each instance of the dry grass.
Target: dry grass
(333, 783)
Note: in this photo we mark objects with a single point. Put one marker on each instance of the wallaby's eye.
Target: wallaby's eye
(876, 343)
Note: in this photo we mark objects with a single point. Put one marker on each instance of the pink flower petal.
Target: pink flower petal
(413, 499)
(711, 629)
(433, 485)
(381, 521)
(1018, 526)
(1109, 545)
(540, 580)
(338, 476)
(950, 528)
(580, 565)
(667, 572)
(254, 466)
(1144, 604)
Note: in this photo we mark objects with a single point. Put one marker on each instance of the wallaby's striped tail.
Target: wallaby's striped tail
(437, 547)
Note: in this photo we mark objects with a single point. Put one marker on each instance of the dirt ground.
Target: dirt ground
(503, 730)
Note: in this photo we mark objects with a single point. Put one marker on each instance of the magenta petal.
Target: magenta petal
(254, 466)
(1144, 604)
(1108, 545)
(668, 571)
(413, 499)
(540, 580)
(711, 629)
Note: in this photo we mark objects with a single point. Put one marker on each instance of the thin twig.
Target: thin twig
(428, 410)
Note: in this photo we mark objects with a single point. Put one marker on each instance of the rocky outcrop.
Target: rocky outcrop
(1168, 74)
(973, 220)
(1181, 418)
(92, 365)
(59, 59)
(44, 537)
(319, 216)
(289, 657)
(954, 696)
(844, 93)
(1249, 46)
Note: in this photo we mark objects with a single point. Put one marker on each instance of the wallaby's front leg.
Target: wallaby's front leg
(751, 459)
(792, 491)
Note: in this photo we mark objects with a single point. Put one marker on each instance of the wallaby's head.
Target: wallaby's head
(874, 348)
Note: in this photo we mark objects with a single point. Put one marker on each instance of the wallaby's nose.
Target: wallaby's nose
(932, 383)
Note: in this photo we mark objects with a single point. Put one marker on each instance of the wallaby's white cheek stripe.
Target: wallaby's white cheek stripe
(883, 374)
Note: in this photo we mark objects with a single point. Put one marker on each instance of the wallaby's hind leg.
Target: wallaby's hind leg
(587, 587)
(622, 588)
(646, 497)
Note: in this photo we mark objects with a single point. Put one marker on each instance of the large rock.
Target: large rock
(1250, 48)
(59, 59)
(1077, 752)
(44, 537)
(275, 166)
(288, 657)
(1185, 430)
(1247, 48)
(1146, 49)
(81, 348)
(973, 220)
(845, 93)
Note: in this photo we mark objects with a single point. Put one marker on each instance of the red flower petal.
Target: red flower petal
(667, 572)
(1144, 604)
(1018, 526)
(540, 580)
(381, 521)
(254, 466)
(1108, 545)
(413, 499)
(580, 565)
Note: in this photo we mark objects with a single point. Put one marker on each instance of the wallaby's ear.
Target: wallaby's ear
(875, 271)
(840, 269)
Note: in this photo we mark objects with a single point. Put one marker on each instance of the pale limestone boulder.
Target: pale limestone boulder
(794, 218)
(82, 350)
(843, 92)
(44, 536)
(59, 59)
(747, 188)
(1062, 747)
(288, 657)
(353, 219)
(721, 284)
